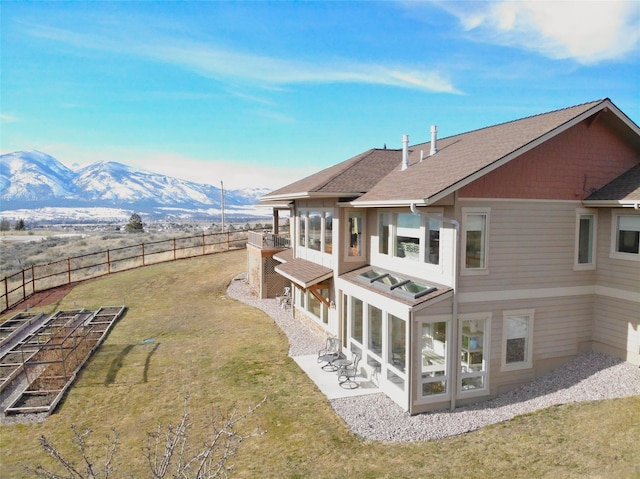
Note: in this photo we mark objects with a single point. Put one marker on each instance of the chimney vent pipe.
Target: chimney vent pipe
(434, 139)
(405, 152)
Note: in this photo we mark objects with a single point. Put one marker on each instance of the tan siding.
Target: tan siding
(614, 273)
(531, 245)
(616, 324)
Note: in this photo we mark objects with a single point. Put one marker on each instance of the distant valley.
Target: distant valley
(38, 187)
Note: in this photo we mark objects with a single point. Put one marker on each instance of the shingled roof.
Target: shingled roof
(375, 177)
(625, 189)
(350, 178)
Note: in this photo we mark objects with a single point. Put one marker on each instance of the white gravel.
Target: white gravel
(589, 377)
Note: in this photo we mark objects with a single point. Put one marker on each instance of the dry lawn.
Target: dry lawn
(224, 353)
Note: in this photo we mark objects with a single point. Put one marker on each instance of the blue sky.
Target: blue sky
(263, 93)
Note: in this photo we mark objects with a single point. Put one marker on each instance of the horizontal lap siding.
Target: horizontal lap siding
(617, 324)
(531, 245)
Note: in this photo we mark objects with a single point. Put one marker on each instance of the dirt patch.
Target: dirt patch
(43, 298)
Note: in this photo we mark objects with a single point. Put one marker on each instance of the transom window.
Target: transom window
(434, 350)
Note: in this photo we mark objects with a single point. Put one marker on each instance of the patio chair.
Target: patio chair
(347, 374)
(284, 298)
(329, 354)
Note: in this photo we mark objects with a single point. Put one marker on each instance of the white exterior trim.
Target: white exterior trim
(528, 360)
(517, 294)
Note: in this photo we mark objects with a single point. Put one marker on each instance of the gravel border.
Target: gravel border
(588, 377)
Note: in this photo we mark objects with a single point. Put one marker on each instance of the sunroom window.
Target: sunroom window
(414, 237)
(473, 373)
(434, 377)
(407, 240)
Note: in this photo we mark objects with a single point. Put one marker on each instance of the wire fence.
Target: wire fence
(23, 284)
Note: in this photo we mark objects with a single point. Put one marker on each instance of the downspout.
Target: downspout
(455, 356)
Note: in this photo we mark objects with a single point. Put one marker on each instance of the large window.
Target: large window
(475, 224)
(435, 339)
(626, 241)
(315, 230)
(355, 234)
(414, 237)
(375, 330)
(517, 337)
(475, 354)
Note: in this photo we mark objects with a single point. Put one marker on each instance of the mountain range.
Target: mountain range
(33, 181)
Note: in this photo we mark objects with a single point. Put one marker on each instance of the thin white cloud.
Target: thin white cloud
(588, 32)
(8, 118)
(222, 64)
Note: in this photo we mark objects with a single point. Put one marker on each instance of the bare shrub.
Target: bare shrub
(168, 452)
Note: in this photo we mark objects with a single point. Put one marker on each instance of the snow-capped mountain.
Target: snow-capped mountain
(32, 180)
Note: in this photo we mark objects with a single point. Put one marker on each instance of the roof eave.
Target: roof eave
(612, 203)
(307, 195)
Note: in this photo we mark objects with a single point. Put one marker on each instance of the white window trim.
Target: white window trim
(594, 247)
(447, 376)
(486, 317)
(463, 241)
(528, 362)
(614, 240)
(363, 237)
(303, 216)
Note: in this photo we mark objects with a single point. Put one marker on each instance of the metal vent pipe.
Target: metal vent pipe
(434, 139)
(405, 152)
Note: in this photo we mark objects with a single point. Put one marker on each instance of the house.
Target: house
(465, 266)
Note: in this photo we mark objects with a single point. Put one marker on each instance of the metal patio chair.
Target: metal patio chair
(347, 374)
(329, 354)
(284, 298)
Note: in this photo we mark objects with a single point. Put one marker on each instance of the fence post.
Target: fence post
(143, 264)
(24, 287)
(69, 270)
(174, 248)
(108, 261)
(33, 279)
(6, 293)
(203, 253)
(228, 240)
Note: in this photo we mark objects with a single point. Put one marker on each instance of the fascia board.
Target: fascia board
(307, 195)
(611, 203)
(390, 204)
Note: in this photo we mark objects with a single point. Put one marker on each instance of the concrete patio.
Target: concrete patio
(327, 381)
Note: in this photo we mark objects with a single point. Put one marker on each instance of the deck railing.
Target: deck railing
(23, 284)
(269, 240)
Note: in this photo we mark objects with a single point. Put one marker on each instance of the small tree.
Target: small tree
(20, 225)
(135, 224)
(4, 225)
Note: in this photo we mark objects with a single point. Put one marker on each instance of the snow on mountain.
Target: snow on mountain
(33, 176)
(34, 180)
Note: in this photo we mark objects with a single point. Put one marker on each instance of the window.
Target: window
(397, 346)
(328, 232)
(302, 229)
(355, 234)
(474, 240)
(585, 240)
(434, 358)
(315, 230)
(356, 319)
(432, 250)
(414, 237)
(375, 330)
(517, 335)
(407, 240)
(474, 352)
(626, 242)
(383, 233)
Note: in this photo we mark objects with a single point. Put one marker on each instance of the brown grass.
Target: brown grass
(223, 353)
